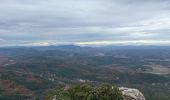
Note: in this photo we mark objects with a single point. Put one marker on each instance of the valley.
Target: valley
(27, 72)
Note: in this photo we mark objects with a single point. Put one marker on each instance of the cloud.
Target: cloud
(76, 21)
(131, 42)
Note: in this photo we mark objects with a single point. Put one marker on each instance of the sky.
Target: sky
(84, 22)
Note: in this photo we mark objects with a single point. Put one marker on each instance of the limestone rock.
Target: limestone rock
(131, 94)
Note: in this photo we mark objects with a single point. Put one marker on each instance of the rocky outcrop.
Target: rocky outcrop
(131, 94)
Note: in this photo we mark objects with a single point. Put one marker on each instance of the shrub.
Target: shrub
(85, 92)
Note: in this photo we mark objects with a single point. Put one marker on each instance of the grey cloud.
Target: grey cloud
(26, 21)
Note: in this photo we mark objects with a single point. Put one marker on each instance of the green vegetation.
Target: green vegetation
(85, 92)
(33, 70)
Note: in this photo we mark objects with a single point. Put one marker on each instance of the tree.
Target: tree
(85, 92)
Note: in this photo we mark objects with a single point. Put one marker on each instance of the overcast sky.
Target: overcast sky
(92, 22)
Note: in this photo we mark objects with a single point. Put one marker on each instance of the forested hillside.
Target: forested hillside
(27, 72)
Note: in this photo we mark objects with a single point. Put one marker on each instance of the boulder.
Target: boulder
(131, 94)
